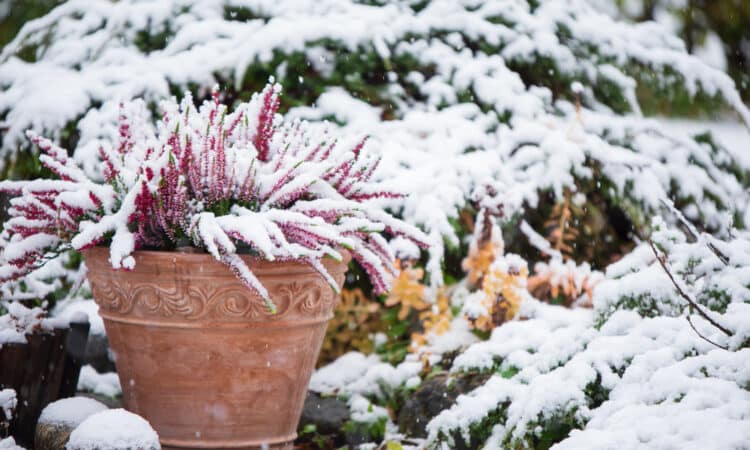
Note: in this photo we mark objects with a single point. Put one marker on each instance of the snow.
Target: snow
(114, 429)
(88, 308)
(679, 408)
(8, 402)
(9, 444)
(734, 136)
(458, 337)
(70, 411)
(380, 379)
(20, 321)
(107, 384)
(345, 370)
(659, 374)
(639, 282)
(364, 411)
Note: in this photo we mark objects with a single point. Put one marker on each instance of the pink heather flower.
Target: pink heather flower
(215, 178)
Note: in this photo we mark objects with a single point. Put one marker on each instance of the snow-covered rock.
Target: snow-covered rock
(340, 373)
(114, 429)
(60, 418)
(107, 384)
(70, 411)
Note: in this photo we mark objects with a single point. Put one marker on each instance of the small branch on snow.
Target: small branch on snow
(700, 237)
(702, 336)
(662, 261)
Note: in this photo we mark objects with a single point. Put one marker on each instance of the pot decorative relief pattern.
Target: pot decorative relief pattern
(189, 302)
(200, 288)
(198, 353)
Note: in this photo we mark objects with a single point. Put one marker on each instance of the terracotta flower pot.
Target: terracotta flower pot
(198, 354)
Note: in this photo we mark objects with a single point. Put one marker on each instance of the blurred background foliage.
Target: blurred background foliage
(15, 13)
(716, 29)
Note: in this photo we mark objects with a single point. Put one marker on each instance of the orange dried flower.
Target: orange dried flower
(407, 290)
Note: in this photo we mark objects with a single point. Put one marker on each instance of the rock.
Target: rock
(98, 354)
(433, 396)
(328, 414)
(51, 436)
(114, 429)
(60, 418)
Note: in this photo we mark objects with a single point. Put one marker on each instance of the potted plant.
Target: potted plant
(232, 232)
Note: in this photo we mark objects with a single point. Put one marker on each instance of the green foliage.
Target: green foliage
(596, 394)
(663, 92)
(399, 336)
(153, 38)
(695, 20)
(644, 304)
(551, 430)
(22, 11)
(509, 372)
(310, 438)
(242, 14)
(367, 431)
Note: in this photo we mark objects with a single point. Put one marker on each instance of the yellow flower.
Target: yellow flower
(502, 288)
(486, 246)
(438, 318)
(478, 261)
(407, 290)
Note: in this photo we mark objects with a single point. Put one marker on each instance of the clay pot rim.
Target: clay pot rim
(256, 264)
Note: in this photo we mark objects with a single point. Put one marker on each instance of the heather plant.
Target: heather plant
(227, 182)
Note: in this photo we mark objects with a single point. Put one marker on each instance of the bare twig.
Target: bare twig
(698, 236)
(684, 294)
(702, 336)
